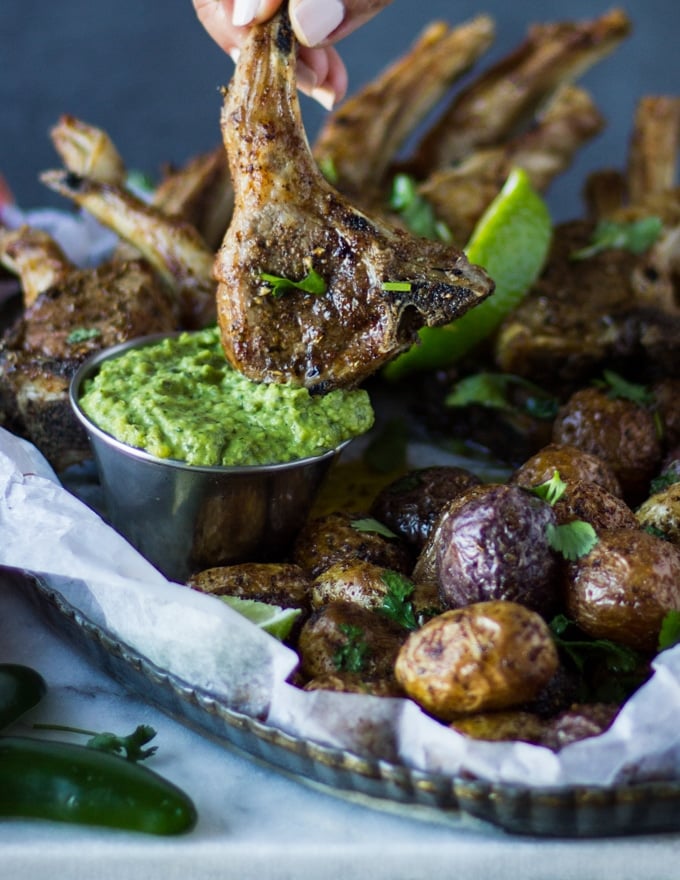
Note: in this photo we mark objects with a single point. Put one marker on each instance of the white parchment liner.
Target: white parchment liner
(47, 530)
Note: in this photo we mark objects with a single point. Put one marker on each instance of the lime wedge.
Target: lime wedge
(511, 241)
(274, 619)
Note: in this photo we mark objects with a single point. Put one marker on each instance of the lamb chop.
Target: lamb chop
(70, 313)
(362, 137)
(373, 285)
(615, 307)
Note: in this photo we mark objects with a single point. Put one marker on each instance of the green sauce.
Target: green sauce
(180, 399)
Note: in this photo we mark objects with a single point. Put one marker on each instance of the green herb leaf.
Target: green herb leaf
(618, 387)
(371, 525)
(82, 334)
(351, 656)
(396, 286)
(130, 746)
(664, 480)
(573, 540)
(669, 634)
(396, 604)
(568, 637)
(416, 212)
(494, 389)
(311, 283)
(552, 490)
(636, 236)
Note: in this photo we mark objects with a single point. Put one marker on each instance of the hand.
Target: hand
(317, 24)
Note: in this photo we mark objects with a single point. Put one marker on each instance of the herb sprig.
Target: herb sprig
(636, 236)
(311, 283)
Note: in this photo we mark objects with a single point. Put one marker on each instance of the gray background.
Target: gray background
(148, 73)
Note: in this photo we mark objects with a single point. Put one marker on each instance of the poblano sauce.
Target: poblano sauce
(179, 398)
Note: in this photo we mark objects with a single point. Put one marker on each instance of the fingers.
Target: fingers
(318, 21)
(321, 72)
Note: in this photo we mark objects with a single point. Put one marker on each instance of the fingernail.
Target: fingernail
(323, 96)
(306, 78)
(314, 20)
(244, 12)
(235, 54)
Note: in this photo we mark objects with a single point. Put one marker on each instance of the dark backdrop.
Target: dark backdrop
(148, 73)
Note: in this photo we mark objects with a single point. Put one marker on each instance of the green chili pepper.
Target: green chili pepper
(70, 783)
(21, 688)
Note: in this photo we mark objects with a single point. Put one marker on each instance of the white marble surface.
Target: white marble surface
(255, 822)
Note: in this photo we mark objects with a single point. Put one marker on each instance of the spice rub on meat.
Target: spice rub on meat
(380, 284)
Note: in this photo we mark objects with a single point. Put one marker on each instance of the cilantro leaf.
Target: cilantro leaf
(552, 490)
(351, 656)
(369, 524)
(129, 746)
(580, 649)
(494, 390)
(328, 169)
(573, 540)
(82, 334)
(664, 480)
(311, 283)
(396, 604)
(618, 387)
(635, 236)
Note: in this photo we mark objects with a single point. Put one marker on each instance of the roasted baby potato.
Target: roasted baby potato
(624, 587)
(487, 656)
(410, 505)
(660, 513)
(593, 504)
(571, 463)
(493, 544)
(616, 429)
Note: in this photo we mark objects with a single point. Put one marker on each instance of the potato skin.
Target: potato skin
(411, 504)
(623, 588)
(592, 503)
(571, 463)
(493, 544)
(620, 431)
(662, 511)
(486, 656)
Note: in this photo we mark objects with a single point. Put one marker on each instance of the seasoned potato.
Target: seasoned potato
(277, 583)
(623, 588)
(410, 505)
(343, 637)
(493, 544)
(618, 430)
(354, 683)
(661, 512)
(593, 504)
(579, 722)
(571, 463)
(334, 537)
(490, 655)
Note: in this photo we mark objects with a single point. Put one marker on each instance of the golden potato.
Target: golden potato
(485, 656)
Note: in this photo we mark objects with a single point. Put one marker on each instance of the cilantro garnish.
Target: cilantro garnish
(351, 656)
(396, 286)
(617, 658)
(328, 169)
(573, 540)
(552, 490)
(664, 480)
(396, 604)
(129, 746)
(618, 387)
(82, 334)
(416, 212)
(669, 634)
(369, 524)
(636, 236)
(311, 283)
(493, 390)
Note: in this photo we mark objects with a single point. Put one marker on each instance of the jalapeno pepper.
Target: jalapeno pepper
(71, 783)
(21, 688)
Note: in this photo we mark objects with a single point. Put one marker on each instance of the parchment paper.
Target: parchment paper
(48, 531)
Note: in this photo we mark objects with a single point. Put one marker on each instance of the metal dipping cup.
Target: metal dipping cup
(184, 518)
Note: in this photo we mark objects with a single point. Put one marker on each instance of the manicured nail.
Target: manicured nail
(235, 54)
(323, 96)
(244, 12)
(305, 76)
(314, 20)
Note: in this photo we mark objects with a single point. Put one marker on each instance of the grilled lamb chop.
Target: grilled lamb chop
(614, 307)
(76, 313)
(506, 98)
(361, 138)
(289, 222)
(173, 247)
